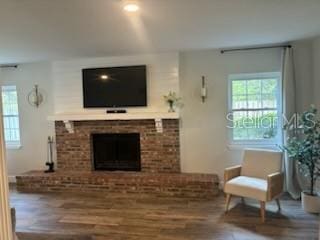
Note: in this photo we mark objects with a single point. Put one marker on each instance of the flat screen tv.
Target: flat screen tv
(115, 87)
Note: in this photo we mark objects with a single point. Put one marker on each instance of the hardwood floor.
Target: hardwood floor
(132, 217)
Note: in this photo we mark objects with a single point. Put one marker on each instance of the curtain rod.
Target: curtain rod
(9, 66)
(253, 48)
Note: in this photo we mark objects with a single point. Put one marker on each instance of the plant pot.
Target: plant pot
(310, 203)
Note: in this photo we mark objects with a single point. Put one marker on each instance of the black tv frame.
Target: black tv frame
(116, 106)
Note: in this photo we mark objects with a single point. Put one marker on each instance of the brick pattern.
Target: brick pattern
(175, 185)
(160, 152)
(160, 164)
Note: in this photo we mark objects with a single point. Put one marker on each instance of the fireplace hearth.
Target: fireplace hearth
(120, 145)
(116, 152)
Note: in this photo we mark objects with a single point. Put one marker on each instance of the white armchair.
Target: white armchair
(259, 177)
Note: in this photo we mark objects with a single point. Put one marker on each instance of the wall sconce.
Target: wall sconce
(203, 89)
(35, 97)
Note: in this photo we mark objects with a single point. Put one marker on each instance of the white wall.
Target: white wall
(33, 121)
(204, 142)
(204, 134)
(303, 63)
(316, 71)
(307, 66)
(62, 83)
(162, 71)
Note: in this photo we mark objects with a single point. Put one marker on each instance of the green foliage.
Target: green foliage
(303, 145)
(256, 126)
(254, 94)
(172, 97)
(253, 87)
(173, 100)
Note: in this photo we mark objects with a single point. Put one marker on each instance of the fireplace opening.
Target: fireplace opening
(112, 152)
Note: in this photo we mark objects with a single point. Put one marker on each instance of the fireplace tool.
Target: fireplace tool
(50, 162)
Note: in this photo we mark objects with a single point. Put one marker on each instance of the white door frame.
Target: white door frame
(5, 215)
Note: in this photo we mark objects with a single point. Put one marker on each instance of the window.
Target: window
(254, 108)
(10, 115)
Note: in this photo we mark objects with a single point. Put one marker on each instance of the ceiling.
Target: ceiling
(33, 30)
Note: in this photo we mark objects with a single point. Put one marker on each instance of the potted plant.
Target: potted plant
(172, 100)
(304, 147)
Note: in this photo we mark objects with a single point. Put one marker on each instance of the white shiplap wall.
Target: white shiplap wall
(162, 75)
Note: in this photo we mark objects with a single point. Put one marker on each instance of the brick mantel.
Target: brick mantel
(160, 152)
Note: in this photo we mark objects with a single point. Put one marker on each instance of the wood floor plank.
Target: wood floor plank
(150, 217)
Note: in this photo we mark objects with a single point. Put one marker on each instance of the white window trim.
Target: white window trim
(240, 144)
(12, 145)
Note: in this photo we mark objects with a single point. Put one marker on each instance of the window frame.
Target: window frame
(254, 76)
(11, 144)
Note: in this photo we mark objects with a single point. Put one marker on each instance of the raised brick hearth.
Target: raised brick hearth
(177, 185)
(160, 163)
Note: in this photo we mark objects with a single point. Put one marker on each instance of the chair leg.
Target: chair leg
(228, 199)
(278, 203)
(243, 201)
(262, 210)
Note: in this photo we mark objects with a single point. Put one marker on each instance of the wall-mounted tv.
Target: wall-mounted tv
(115, 87)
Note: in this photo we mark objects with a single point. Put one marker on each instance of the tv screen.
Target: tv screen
(115, 87)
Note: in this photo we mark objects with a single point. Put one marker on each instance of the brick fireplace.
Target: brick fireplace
(160, 152)
(158, 173)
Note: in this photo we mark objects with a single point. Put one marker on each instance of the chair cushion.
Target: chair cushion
(250, 187)
(261, 163)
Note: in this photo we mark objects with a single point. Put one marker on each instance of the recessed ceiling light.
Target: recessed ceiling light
(131, 6)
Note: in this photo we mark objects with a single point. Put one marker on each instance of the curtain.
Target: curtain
(5, 220)
(293, 180)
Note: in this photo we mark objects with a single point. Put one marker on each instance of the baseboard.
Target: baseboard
(12, 179)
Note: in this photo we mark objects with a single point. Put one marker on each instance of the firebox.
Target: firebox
(112, 152)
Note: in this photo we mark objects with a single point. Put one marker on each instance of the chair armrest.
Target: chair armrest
(231, 172)
(275, 184)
